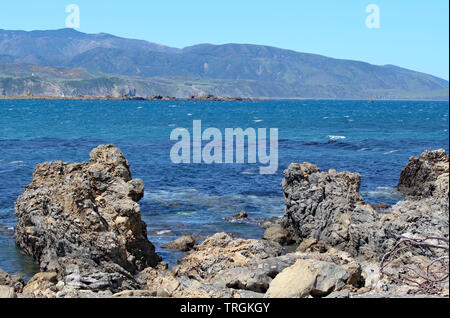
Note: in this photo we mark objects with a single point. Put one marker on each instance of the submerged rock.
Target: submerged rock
(184, 243)
(238, 217)
(83, 222)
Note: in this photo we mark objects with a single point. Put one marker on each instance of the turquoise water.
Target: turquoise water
(374, 139)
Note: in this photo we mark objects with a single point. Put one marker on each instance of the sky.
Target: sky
(412, 33)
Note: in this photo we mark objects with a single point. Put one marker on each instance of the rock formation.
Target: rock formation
(82, 221)
(327, 206)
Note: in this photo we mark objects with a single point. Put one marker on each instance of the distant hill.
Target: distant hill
(63, 57)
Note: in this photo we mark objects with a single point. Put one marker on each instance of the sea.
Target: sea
(375, 139)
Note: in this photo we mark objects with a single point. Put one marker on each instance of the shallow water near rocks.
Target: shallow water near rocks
(374, 139)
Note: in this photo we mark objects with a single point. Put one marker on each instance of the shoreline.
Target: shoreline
(206, 98)
(297, 257)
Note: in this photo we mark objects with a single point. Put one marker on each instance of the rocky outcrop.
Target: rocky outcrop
(327, 206)
(422, 176)
(82, 221)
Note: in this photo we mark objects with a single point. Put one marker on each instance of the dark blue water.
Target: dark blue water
(374, 139)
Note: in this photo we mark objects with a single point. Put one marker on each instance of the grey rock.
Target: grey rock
(83, 221)
(327, 206)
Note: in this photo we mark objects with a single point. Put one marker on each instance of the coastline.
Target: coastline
(348, 258)
(205, 98)
(133, 98)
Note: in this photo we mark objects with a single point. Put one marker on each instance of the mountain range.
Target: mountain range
(70, 63)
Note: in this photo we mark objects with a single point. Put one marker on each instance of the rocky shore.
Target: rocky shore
(81, 222)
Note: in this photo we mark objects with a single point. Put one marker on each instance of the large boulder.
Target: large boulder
(83, 222)
(327, 206)
(308, 278)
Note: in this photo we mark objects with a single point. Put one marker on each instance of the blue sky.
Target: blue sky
(413, 33)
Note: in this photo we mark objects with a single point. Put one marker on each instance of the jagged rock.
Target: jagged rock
(184, 243)
(238, 217)
(14, 281)
(308, 278)
(83, 221)
(222, 251)
(7, 292)
(327, 206)
(419, 176)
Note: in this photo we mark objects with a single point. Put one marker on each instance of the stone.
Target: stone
(222, 251)
(308, 278)
(312, 245)
(7, 292)
(278, 234)
(83, 221)
(255, 277)
(184, 243)
(41, 285)
(13, 281)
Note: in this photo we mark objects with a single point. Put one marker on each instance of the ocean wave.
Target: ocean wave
(333, 137)
(383, 192)
(18, 162)
(390, 152)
